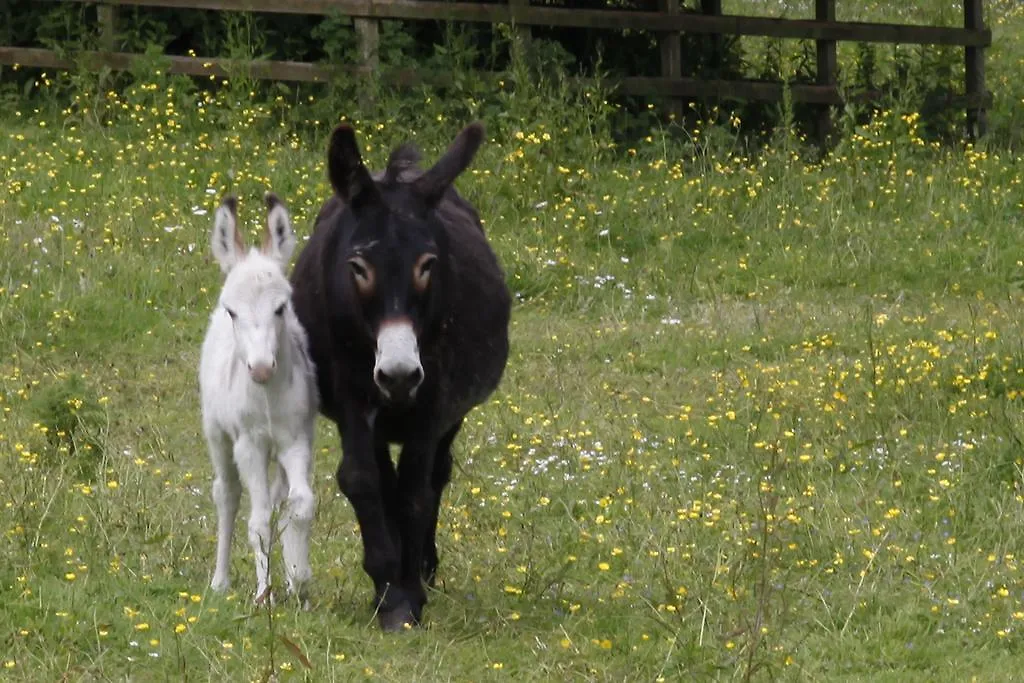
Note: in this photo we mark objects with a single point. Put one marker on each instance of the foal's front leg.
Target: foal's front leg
(227, 490)
(297, 517)
(251, 459)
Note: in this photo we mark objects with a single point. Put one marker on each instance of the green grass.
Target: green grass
(762, 416)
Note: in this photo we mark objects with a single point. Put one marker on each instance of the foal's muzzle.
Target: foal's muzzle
(262, 372)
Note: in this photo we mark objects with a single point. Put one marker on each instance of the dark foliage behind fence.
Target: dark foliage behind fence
(649, 65)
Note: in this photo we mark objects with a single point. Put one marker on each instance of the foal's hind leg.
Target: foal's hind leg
(439, 479)
(227, 490)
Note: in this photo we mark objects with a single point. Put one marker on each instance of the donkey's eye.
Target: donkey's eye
(359, 269)
(421, 271)
(279, 311)
(362, 273)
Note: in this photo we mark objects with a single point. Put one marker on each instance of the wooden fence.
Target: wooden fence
(667, 21)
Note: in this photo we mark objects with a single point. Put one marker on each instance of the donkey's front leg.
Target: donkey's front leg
(252, 466)
(416, 513)
(360, 479)
(439, 480)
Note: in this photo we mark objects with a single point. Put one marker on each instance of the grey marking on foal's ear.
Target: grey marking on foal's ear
(271, 201)
(231, 203)
(228, 247)
(279, 240)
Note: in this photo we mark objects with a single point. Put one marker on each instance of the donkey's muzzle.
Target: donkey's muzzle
(399, 384)
(398, 371)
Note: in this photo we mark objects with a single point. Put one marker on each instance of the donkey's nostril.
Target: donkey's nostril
(398, 384)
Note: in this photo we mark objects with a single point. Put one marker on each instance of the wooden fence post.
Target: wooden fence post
(825, 10)
(671, 57)
(716, 44)
(368, 33)
(974, 80)
(106, 15)
(522, 30)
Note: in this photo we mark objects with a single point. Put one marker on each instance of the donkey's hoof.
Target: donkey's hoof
(398, 619)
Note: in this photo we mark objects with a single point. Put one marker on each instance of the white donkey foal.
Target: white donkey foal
(259, 399)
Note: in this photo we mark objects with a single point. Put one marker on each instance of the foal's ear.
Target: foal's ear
(226, 242)
(279, 240)
(435, 182)
(345, 168)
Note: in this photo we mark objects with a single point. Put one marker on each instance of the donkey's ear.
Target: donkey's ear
(345, 168)
(227, 244)
(279, 240)
(435, 182)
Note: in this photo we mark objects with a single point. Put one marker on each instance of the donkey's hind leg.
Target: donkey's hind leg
(227, 490)
(297, 518)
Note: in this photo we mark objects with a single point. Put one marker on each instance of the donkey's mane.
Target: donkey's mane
(405, 157)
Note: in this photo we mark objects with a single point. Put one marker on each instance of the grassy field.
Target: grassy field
(762, 416)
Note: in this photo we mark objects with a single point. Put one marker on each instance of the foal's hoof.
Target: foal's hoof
(264, 598)
(301, 596)
(398, 619)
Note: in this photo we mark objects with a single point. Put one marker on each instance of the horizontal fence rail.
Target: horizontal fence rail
(667, 22)
(686, 88)
(657, 22)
